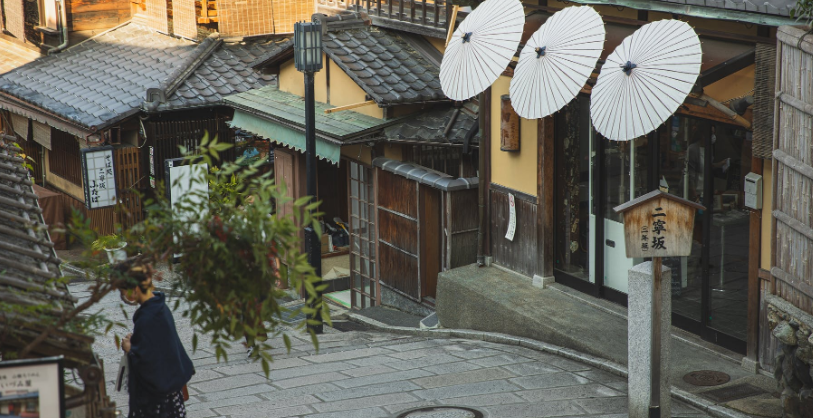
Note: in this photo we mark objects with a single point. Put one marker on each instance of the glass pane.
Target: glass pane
(682, 174)
(728, 244)
(572, 223)
(365, 267)
(364, 248)
(354, 170)
(354, 223)
(372, 270)
(358, 300)
(354, 207)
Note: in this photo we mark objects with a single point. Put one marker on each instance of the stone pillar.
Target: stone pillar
(640, 336)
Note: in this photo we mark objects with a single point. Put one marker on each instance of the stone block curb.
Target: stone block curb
(698, 402)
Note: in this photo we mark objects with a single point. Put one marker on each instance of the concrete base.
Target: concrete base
(403, 303)
(543, 282)
(640, 340)
(752, 366)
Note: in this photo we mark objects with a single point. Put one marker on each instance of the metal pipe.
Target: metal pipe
(313, 242)
(63, 16)
(483, 107)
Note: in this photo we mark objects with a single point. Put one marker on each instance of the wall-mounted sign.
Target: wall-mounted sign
(99, 177)
(512, 217)
(509, 126)
(32, 388)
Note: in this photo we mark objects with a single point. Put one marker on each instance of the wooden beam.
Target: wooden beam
(725, 69)
(451, 23)
(350, 106)
(735, 118)
(545, 198)
(754, 246)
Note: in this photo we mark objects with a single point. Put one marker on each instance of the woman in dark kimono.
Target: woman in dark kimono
(159, 366)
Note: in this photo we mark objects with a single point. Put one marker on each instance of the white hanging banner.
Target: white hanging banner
(98, 177)
(512, 219)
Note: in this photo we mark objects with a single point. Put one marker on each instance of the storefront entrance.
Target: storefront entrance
(593, 175)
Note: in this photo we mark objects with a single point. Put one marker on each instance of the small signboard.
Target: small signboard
(99, 177)
(32, 388)
(658, 224)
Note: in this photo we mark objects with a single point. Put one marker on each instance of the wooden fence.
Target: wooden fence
(792, 239)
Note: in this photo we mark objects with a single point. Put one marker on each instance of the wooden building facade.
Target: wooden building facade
(565, 179)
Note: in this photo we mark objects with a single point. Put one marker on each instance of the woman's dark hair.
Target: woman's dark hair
(134, 276)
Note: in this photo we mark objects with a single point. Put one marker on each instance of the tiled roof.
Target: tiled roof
(429, 126)
(226, 71)
(14, 56)
(102, 80)
(275, 105)
(383, 63)
(29, 268)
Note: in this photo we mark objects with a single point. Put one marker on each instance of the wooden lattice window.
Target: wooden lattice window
(364, 289)
(64, 158)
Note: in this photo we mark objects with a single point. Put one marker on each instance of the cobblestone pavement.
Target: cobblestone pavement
(367, 374)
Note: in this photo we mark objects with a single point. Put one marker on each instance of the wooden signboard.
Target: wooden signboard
(658, 224)
(509, 126)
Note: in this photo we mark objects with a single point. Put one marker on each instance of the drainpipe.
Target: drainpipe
(481, 179)
(63, 16)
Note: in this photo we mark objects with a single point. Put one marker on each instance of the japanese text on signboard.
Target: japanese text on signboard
(100, 179)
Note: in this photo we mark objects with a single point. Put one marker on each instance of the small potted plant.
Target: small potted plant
(113, 245)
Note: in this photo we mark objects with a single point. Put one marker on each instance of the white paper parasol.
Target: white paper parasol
(481, 48)
(556, 62)
(645, 79)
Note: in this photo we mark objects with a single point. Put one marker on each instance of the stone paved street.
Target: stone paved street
(373, 374)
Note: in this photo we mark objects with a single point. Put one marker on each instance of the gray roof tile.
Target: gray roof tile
(385, 64)
(96, 66)
(228, 70)
(428, 126)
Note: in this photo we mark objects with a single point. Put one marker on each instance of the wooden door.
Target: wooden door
(284, 176)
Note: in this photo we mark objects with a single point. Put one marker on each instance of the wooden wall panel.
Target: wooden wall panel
(157, 16)
(397, 194)
(463, 223)
(246, 18)
(399, 270)
(398, 231)
(184, 18)
(97, 14)
(520, 254)
(288, 12)
(15, 17)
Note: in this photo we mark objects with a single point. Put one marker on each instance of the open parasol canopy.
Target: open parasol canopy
(481, 48)
(645, 79)
(556, 62)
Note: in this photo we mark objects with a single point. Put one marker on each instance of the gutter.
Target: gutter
(63, 16)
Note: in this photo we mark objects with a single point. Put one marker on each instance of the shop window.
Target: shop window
(64, 158)
(362, 237)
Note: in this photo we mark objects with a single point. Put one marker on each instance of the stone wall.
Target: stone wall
(793, 329)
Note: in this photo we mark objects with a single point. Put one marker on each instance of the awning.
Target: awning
(284, 135)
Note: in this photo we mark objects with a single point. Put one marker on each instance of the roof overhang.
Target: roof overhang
(14, 105)
(285, 134)
(697, 11)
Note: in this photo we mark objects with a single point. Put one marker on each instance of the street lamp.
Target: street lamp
(308, 60)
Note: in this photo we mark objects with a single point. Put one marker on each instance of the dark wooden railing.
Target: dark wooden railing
(428, 17)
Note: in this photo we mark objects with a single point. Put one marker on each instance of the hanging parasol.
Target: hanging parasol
(481, 48)
(645, 79)
(556, 62)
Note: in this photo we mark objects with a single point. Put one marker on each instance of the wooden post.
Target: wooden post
(752, 336)
(451, 21)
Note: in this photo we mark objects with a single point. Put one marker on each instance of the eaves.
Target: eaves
(697, 11)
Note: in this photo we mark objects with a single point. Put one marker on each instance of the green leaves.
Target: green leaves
(803, 11)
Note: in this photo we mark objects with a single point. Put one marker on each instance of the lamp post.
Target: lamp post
(308, 60)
